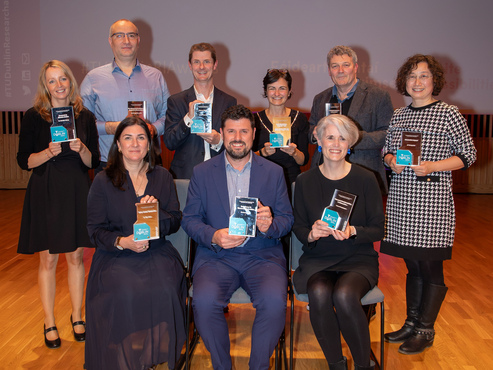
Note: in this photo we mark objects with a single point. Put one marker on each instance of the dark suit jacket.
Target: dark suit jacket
(208, 210)
(189, 148)
(371, 109)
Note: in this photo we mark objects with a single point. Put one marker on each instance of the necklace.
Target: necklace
(140, 184)
(270, 132)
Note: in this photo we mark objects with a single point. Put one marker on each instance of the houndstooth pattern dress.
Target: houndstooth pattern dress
(420, 217)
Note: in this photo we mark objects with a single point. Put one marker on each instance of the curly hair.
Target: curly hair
(115, 169)
(237, 112)
(273, 75)
(411, 64)
(42, 100)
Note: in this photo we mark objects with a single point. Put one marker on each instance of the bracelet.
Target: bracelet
(46, 153)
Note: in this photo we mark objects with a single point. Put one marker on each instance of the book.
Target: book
(202, 119)
(409, 153)
(147, 225)
(243, 221)
(281, 132)
(337, 213)
(137, 108)
(63, 126)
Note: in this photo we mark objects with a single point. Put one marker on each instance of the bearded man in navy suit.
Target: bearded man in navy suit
(224, 262)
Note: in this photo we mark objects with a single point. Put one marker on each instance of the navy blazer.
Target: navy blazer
(208, 209)
(189, 148)
(371, 109)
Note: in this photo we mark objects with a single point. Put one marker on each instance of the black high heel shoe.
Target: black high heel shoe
(79, 337)
(52, 343)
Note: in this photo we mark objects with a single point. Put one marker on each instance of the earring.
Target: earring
(319, 149)
(119, 150)
(349, 151)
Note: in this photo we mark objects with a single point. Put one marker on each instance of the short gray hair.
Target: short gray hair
(344, 124)
(342, 50)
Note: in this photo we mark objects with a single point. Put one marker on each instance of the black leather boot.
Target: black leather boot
(341, 365)
(424, 334)
(414, 292)
(371, 367)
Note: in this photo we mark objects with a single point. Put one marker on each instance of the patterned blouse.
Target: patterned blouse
(420, 219)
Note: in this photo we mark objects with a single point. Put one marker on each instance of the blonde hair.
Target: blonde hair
(42, 100)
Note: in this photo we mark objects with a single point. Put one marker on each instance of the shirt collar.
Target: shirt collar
(201, 97)
(229, 167)
(116, 68)
(350, 93)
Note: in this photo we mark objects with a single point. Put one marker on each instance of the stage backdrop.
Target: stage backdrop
(252, 36)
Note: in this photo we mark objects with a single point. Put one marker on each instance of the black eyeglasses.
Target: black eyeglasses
(121, 35)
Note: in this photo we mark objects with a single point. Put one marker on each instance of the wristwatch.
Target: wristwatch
(117, 243)
(353, 232)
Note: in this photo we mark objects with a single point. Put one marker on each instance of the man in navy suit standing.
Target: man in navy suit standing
(226, 262)
(192, 149)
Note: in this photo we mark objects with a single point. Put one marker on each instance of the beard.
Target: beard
(237, 154)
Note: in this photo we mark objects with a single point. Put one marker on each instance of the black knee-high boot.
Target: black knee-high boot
(341, 365)
(371, 367)
(414, 293)
(424, 334)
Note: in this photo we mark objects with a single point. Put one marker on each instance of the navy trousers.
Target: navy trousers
(213, 284)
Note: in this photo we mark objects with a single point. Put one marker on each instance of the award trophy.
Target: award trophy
(137, 108)
(202, 120)
(332, 108)
(147, 225)
(281, 132)
(63, 126)
(409, 153)
(244, 218)
(336, 215)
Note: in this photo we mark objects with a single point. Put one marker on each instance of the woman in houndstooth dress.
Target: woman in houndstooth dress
(420, 221)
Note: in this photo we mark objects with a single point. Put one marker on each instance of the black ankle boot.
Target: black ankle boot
(414, 292)
(371, 367)
(424, 334)
(341, 365)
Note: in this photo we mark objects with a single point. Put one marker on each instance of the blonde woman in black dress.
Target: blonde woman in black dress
(55, 210)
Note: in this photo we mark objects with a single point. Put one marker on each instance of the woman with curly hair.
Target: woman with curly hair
(420, 222)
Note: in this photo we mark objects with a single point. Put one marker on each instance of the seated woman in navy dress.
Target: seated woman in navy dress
(136, 289)
(338, 268)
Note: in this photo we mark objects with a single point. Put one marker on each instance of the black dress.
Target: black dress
(313, 193)
(55, 210)
(299, 136)
(135, 302)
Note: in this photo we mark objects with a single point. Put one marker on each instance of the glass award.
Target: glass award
(137, 108)
(63, 124)
(147, 225)
(281, 132)
(337, 214)
(243, 221)
(202, 120)
(409, 153)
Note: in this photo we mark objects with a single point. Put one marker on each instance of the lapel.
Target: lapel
(190, 96)
(358, 98)
(217, 109)
(221, 182)
(255, 187)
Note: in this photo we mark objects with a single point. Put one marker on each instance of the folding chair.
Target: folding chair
(374, 296)
(181, 242)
